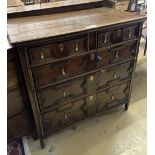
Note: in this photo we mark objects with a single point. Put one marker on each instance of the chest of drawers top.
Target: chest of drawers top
(47, 26)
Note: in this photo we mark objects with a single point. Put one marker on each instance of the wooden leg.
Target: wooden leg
(34, 134)
(126, 106)
(42, 142)
(145, 47)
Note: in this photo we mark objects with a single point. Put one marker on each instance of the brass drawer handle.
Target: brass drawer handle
(61, 46)
(130, 33)
(112, 97)
(91, 98)
(64, 93)
(103, 70)
(91, 78)
(66, 116)
(116, 55)
(42, 55)
(76, 47)
(105, 39)
(63, 71)
(92, 56)
(115, 76)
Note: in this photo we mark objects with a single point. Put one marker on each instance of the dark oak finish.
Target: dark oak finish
(76, 65)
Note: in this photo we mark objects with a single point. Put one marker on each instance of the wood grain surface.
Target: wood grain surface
(45, 26)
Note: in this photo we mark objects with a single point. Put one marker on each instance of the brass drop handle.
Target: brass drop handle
(116, 55)
(112, 97)
(92, 56)
(91, 98)
(91, 78)
(42, 55)
(115, 76)
(66, 116)
(61, 46)
(76, 47)
(64, 93)
(63, 71)
(105, 39)
(130, 34)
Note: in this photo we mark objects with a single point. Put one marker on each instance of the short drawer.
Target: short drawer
(42, 54)
(62, 93)
(108, 38)
(104, 39)
(112, 96)
(15, 103)
(61, 70)
(116, 54)
(130, 32)
(18, 126)
(113, 75)
(64, 116)
(78, 45)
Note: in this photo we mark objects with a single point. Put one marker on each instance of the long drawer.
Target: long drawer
(74, 112)
(54, 72)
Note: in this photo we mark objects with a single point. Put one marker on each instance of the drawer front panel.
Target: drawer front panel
(64, 116)
(116, 54)
(130, 32)
(43, 54)
(108, 38)
(49, 52)
(104, 39)
(64, 69)
(13, 128)
(114, 75)
(112, 96)
(61, 93)
(77, 46)
(15, 102)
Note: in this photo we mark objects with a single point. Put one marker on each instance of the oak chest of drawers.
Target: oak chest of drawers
(77, 69)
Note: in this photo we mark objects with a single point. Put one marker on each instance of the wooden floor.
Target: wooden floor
(119, 133)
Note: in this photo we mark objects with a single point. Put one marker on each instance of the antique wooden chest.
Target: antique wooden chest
(76, 65)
